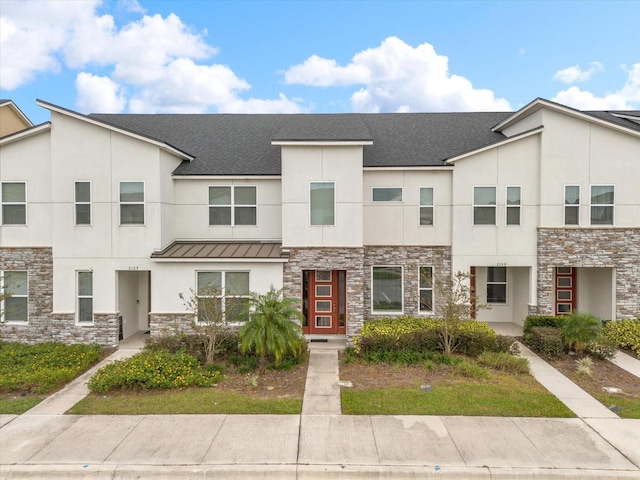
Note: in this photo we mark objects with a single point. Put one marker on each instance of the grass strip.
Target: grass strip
(18, 405)
(189, 401)
(627, 407)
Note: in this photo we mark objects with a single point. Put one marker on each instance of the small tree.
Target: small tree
(454, 304)
(271, 327)
(209, 319)
(580, 330)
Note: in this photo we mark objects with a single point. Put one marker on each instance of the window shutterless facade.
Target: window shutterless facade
(572, 204)
(233, 205)
(426, 205)
(386, 194)
(14, 203)
(15, 308)
(82, 201)
(426, 289)
(497, 285)
(84, 308)
(386, 295)
(322, 203)
(602, 204)
(513, 204)
(484, 205)
(132, 203)
(229, 289)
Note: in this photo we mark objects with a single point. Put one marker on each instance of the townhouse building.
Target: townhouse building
(107, 218)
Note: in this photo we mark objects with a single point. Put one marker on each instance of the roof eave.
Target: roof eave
(26, 133)
(18, 112)
(499, 143)
(321, 143)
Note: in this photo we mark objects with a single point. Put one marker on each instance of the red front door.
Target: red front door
(565, 290)
(325, 301)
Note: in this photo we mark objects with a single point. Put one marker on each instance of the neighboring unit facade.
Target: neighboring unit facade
(106, 219)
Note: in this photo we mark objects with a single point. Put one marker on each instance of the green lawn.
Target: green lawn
(189, 401)
(17, 405)
(628, 407)
(504, 396)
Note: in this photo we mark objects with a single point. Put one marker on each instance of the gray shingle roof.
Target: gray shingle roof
(240, 144)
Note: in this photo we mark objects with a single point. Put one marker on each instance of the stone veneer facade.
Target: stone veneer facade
(43, 325)
(358, 262)
(617, 248)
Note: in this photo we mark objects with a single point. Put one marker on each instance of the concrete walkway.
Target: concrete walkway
(321, 443)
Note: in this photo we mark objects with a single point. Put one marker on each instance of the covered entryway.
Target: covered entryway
(324, 301)
(134, 301)
(585, 289)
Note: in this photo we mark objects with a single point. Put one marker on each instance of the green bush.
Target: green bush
(603, 348)
(45, 367)
(626, 333)
(190, 343)
(471, 370)
(504, 362)
(546, 340)
(412, 334)
(542, 321)
(153, 370)
(581, 329)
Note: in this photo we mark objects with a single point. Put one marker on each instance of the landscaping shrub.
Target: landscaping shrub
(45, 367)
(190, 343)
(471, 370)
(153, 370)
(626, 333)
(581, 329)
(603, 348)
(546, 340)
(542, 321)
(504, 362)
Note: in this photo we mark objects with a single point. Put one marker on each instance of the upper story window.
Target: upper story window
(387, 294)
(426, 205)
(84, 310)
(229, 291)
(232, 205)
(513, 205)
(484, 205)
(14, 203)
(497, 285)
(83, 203)
(322, 204)
(16, 307)
(131, 203)
(426, 289)
(602, 203)
(572, 204)
(387, 194)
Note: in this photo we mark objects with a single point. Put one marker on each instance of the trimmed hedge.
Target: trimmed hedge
(420, 335)
(546, 340)
(626, 333)
(542, 321)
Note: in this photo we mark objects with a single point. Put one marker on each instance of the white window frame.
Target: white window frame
(335, 211)
(223, 291)
(480, 205)
(79, 297)
(143, 203)
(610, 205)
(232, 206)
(388, 312)
(432, 206)
(421, 289)
(3, 203)
(571, 205)
(507, 206)
(76, 203)
(373, 194)
(505, 283)
(3, 318)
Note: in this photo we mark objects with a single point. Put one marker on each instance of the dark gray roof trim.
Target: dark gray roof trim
(221, 250)
(25, 130)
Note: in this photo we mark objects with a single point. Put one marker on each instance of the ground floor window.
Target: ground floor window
(85, 297)
(497, 285)
(15, 308)
(426, 289)
(231, 289)
(387, 289)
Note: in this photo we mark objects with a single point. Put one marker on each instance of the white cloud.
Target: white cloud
(398, 77)
(152, 59)
(99, 94)
(627, 98)
(577, 74)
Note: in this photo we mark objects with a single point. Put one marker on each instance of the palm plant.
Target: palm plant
(580, 329)
(270, 327)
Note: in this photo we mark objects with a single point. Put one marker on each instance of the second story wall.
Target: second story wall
(327, 180)
(420, 216)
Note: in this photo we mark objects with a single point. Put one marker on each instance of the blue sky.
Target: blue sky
(317, 56)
